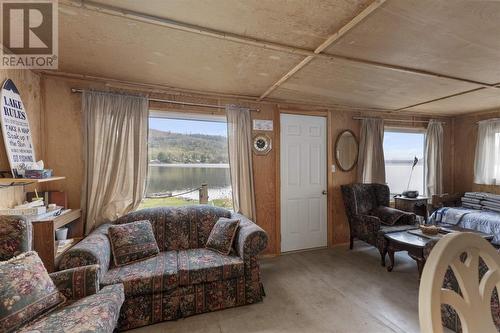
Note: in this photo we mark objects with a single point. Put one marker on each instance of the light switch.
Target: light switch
(334, 168)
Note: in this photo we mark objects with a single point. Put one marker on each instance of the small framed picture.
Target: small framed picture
(262, 125)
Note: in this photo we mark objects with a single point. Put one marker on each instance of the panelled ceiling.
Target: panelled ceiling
(425, 56)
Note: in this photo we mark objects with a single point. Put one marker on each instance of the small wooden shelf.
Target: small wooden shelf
(28, 181)
(44, 236)
(61, 249)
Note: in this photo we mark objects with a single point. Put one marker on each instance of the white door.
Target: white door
(303, 182)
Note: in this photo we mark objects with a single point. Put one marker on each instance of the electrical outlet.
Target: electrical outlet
(334, 168)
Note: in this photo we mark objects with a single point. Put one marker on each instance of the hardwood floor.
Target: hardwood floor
(328, 290)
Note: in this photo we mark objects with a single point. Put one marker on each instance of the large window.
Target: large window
(184, 153)
(400, 149)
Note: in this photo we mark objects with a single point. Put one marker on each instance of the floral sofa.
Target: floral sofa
(184, 278)
(87, 308)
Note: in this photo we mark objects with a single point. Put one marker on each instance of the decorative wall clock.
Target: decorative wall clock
(261, 144)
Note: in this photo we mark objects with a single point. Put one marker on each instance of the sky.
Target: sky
(188, 126)
(398, 146)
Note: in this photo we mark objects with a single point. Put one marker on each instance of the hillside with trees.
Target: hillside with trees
(175, 148)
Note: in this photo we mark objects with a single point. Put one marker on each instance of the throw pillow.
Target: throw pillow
(132, 242)
(222, 236)
(26, 291)
(388, 215)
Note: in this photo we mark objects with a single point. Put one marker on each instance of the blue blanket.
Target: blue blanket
(480, 220)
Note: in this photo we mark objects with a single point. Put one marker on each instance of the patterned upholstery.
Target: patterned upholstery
(221, 237)
(179, 228)
(15, 236)
(26, 291)
(185, 278)
(86, 309)
(92, 250)
(76, 283)
(132, 242)
(205, 265)
(148, 276)
(95, 313)
(361, 202)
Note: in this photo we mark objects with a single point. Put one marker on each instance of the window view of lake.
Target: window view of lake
(179, 178)
(400, 148)
(183, 155)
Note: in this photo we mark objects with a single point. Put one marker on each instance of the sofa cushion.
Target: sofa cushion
(26, 290)
(204, 265)
(132, 241)
(152, 275)
(96, 313)
(221, 238)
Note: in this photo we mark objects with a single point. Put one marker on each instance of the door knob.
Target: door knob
(325, 192)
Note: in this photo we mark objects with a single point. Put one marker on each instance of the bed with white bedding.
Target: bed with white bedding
(481, 220)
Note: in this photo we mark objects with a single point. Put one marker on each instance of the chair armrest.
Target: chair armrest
(94, 249)
(76, 283)
(250, 238)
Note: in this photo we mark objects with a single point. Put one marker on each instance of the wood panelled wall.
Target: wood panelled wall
(465, 146)
(56, 123)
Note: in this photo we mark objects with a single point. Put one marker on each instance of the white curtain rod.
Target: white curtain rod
(77, 90)
(398, 120)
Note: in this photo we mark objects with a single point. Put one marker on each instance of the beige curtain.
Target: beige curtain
(115, 155)
(240, 160)
(371, 164)
(487, 162)
(434, 158)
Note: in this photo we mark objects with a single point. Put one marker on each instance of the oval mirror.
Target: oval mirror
(346, 150)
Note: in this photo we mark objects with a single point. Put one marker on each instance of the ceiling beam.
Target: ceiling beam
(329, 41)
(441, 98)
(159, 21)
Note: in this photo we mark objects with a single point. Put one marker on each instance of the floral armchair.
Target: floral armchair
(87, 308)
(370, 217)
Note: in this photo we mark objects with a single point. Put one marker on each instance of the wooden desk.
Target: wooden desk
(44, 241)
(412, 205)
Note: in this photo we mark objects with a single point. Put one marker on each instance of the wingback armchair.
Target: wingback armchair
(370, 217)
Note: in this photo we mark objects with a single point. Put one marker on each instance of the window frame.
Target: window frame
(417, 130)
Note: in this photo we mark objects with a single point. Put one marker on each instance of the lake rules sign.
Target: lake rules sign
(15, 128)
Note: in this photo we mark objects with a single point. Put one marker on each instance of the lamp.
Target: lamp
(411, 193)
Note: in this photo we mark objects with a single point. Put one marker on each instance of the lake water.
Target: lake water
(178, 178)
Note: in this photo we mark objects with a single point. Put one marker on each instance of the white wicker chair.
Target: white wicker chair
(474, 307)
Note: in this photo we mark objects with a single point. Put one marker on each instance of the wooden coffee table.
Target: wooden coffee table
(415, 244)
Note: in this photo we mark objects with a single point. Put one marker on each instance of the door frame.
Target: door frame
(329, 173)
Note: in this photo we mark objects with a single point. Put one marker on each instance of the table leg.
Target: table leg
(420, 266)
(390, 251)
(382, 255)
